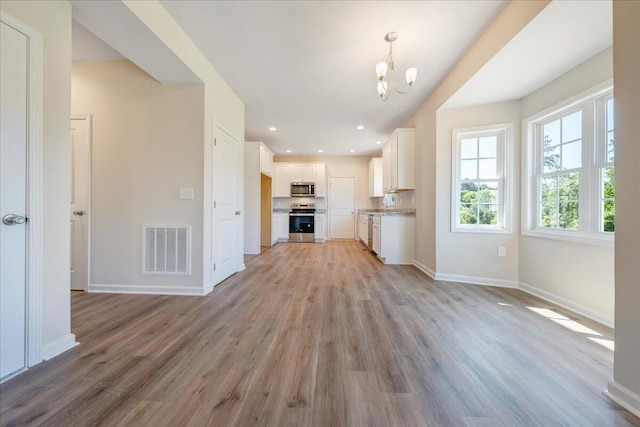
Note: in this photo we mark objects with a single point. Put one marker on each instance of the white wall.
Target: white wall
(625, 387)
(222, 107)
(578, 273)
(473, 257)
(514, 17)
(147, 143)
(337, 166)
(53, 20)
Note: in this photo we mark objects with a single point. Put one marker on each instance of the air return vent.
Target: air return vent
(166, 249)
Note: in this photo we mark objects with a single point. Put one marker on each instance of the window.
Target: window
(571, 182)
(479, 196)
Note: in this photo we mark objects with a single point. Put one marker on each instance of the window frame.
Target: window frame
(591, 103)
(504, 136)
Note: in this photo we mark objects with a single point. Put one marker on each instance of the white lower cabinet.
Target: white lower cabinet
(319, 225)
(279, 227)
(363, 228)
(393, 237)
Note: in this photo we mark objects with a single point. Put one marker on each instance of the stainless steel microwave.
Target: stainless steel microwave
(303, 189)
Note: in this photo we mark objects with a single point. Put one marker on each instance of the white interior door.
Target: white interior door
(226, 206)
(342, 207)
(13, 196)
(80, 187)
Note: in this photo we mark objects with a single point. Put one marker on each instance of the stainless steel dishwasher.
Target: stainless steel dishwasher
(370, 233)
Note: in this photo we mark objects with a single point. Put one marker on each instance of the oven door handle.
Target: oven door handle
(302, 214)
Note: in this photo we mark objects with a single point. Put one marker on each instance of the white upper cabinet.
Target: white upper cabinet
(375, 178)
(398, 156)
(266, 160)
(321, 180)
(286, 173)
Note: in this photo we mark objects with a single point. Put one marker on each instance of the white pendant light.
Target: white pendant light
(387, 66)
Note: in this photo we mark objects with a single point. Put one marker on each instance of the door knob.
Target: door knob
(78, 213)
(13, 219)
(237, 212)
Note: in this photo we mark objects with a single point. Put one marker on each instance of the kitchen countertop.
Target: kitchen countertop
(388, 212)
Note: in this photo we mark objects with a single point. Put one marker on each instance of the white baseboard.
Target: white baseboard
(562, 302)
(623, 397)
(484, 281)
(242, 267)
(142, 289)
(53, 349)
(426, 270)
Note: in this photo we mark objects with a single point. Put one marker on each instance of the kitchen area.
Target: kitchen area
(287, 198)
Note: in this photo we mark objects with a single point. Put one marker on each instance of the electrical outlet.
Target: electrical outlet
(502, 251)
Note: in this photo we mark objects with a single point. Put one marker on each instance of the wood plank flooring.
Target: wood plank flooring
(320, 335)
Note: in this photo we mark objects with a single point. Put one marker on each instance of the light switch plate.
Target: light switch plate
(502, 251)
(186, 193)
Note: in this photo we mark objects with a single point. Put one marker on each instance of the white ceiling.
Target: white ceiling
(308, 67)
(563, 35)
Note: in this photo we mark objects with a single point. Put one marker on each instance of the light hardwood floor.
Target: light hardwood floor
(322, 335)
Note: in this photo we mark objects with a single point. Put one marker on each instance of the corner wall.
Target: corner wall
(147, 143)
(53, 20)
(514, 17)
(625, 386)
(576, 275)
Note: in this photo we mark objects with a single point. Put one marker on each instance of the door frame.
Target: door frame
(34, 256)
(355, 205)
(89, 119)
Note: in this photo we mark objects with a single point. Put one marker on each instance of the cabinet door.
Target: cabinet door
(266, 161)
(386, 167)
(307, 172)
(375, 178)
(393, 173)
(282, 180)
(275, 228)
(320, 180)
(284, 226)
(319, 226)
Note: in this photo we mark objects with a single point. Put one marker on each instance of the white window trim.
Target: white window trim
(529, 184)
(505, 130)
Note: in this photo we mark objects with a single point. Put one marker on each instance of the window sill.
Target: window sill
(480, 230)
(582, 238)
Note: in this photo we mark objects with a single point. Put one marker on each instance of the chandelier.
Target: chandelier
(387, 66)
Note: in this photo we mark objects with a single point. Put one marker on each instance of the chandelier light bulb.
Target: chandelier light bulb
(382, 88)
(381, 70)
(411, 75)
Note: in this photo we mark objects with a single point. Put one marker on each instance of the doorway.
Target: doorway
(342, 207)
(80, 200)
(265, 210)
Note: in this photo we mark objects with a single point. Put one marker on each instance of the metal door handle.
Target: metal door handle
(237, 212)
(13, 219)
(78, 213)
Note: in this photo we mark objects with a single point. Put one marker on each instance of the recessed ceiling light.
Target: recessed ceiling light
(360, 127)
(378, 142)
(320, 151)
(288, 151)
(272, 128)
(352, 151)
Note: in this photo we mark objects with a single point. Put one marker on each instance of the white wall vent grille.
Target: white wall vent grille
(166, 250)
